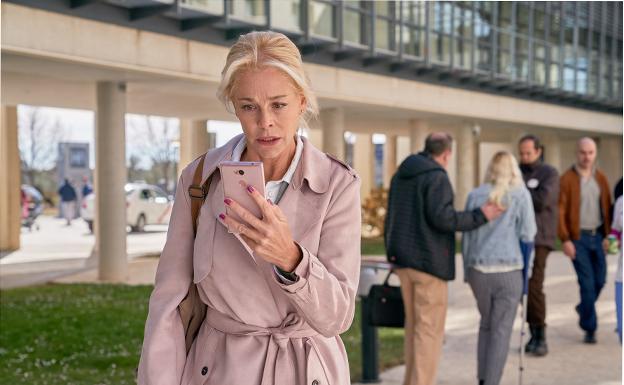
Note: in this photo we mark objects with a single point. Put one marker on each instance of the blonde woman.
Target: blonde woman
(273, 317)
(493, 261)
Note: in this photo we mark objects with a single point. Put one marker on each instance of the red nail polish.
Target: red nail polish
(227, 201)
(250, 188)
(222, 216)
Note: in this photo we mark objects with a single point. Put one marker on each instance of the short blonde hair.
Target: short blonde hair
(504, 175)
(257, 50)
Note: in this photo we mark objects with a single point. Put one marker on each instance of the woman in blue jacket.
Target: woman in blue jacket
(493, 261)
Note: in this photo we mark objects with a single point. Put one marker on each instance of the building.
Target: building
(487, 72)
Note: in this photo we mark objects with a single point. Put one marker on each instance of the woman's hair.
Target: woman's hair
(259, 50)
(504, 175)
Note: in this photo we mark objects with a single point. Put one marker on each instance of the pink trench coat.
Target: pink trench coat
(258, 330)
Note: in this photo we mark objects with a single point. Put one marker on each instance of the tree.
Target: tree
(154, 139)
(38, 141)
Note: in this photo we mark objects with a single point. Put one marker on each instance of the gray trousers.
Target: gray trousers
(498, 296)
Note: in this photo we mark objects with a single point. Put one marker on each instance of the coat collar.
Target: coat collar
(314, 166)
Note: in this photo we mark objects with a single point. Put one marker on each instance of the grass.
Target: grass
(92, 334)
(373, 246)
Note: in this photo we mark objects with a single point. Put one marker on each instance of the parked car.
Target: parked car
(145, 205)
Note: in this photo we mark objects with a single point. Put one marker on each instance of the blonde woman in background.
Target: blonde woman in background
(273, 317)
(493, 261)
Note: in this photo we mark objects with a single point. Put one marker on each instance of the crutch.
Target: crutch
(527, 252)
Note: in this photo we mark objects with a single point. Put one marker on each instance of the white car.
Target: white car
(146, 204)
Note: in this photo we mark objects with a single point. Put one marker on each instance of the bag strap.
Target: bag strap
(390, 272)
(198, 192)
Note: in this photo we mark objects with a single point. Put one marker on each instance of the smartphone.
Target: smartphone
(236, 176)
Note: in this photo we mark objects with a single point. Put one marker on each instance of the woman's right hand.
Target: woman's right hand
(569, 250)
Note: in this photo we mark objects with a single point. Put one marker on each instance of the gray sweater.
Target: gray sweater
(497, 243)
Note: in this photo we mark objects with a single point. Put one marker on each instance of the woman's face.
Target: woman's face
(269, 107)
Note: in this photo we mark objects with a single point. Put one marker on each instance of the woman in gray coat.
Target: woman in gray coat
(493, 261)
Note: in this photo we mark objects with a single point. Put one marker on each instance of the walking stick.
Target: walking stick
(527, 251)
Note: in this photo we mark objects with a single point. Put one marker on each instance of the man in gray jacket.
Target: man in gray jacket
(542, 181)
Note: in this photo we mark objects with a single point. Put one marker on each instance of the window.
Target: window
(462, 33)
(211, 6)
(321, 18)
(251, 11)
(286, 14)
(483, 34)
(78, 157)
(553, 47)
(413, 28)
(356, 22)
(569, 60)
(441, 32)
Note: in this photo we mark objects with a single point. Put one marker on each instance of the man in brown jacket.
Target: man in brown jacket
(584, 220)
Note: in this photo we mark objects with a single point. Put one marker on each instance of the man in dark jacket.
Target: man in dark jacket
(68, 201)
(420, 240)
(542, 181)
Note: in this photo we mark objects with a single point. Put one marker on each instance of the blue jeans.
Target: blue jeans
(591, 270)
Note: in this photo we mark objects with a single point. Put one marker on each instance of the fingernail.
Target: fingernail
(227, 201)
(270, 202)
(222, 216)
(250, 188)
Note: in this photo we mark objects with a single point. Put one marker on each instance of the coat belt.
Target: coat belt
(278, 364)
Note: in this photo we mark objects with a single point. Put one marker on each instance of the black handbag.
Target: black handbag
(386, 305)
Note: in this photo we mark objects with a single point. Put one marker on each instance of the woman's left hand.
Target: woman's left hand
(268, 237)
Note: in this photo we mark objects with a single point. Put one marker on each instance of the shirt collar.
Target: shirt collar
(288, 176)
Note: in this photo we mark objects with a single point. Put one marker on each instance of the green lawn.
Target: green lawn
(92, 334)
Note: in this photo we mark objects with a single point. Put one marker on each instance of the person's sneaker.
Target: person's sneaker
(590, 338)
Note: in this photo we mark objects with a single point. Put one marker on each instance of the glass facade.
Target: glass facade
(570, 48)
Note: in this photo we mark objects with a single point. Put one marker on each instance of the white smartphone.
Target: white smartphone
(236, 176)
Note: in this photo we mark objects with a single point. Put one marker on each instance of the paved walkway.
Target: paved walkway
(570, 362)
(57, 250)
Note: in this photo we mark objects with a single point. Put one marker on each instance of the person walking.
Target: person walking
(617, 226)
(86, 187)
(584, 224)
(493, 261)
(542, 181)
(68, 201)
(274, 314)
(419, 235)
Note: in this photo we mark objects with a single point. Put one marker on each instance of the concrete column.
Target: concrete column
(419, 129)
(466, 163)
(363, 156)
(333, 123)
(610, 158)
(194, 141)
(552, 150)
(10, 181)
(390, 158)
(110, 177)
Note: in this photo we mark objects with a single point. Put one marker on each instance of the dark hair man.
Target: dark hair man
(542, 181)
